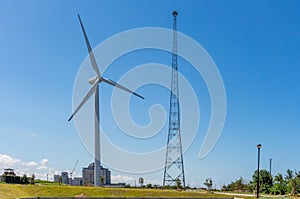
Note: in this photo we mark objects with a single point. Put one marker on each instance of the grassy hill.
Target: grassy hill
(9, 191)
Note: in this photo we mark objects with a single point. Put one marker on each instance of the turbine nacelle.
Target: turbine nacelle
(92, 80)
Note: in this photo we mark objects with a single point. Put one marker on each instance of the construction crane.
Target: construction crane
(71, 173)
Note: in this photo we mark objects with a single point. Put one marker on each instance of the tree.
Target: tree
(24, 179)
(59, 180)
(149, 186)
(297, 173)
(178, 183)
(289, 174)
(280, 185)
(265, 180)
(240, 185)
(291, 180)
(208, 183)
(101, 180)
(294, 185)
(127, 186)
(141, 181)
(32, 179)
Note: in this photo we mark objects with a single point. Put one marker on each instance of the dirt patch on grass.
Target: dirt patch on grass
(80, 196)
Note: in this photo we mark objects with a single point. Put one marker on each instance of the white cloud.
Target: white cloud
(40, 170)
(29, 164)
(44, 161)
(7, 161)
(194, 184)
(153, 182)
(43, 164)
(121, 178)
(34, 134)
(133, 181)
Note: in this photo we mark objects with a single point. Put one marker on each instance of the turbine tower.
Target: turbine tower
(95, 81)
(174, 169)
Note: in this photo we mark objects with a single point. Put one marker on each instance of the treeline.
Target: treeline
(27, 180)
(13, 179)
(280, 184)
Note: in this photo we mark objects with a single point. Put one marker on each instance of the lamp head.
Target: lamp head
(175, 13)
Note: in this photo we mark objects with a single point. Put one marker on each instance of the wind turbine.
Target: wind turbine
(95, 81)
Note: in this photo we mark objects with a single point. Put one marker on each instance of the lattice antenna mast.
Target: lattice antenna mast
(174, 169)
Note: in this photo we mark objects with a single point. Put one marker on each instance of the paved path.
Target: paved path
(252, 195)
(237, 194)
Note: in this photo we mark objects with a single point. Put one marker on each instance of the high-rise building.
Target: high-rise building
(56, 178)
(105, 176)
(88, 175)
(65, 177)
(77, 181)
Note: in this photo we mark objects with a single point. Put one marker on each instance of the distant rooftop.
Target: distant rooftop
(9, 172)
(8, 169)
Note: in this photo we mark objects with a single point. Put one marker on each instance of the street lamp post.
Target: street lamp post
(270, 166)
(257, 191)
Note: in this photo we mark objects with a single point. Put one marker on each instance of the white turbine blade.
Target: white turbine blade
(113, 83)
(88, 95)
(92, 57)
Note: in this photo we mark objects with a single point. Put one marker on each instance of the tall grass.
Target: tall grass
(9, 191)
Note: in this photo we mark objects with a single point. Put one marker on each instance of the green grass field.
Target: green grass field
(9, 191)
(46, 189)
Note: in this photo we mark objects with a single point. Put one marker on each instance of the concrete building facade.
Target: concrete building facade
(65, 177)
(105, 176)
(88, 175)
(56, 178)
(77, 181)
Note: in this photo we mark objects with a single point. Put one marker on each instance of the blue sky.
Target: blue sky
(254, 44)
